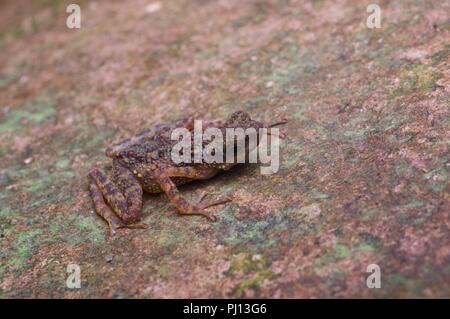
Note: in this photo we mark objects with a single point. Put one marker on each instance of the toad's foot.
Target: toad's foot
(182, 205)
(280, 121)
(202, 205)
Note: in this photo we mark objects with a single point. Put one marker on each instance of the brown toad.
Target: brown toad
(143, 163)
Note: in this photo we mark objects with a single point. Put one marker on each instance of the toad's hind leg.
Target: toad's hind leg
(125, 204)
(102, 209)
(131, 190)
(182, 205)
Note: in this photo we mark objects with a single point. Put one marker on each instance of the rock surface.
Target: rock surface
(364, 171)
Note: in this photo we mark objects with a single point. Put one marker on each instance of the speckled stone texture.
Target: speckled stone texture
(364, 171)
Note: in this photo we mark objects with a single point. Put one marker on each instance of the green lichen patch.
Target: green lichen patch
(416, 79)
(62, 163)
(17, 257)
(256, 269)
(90, 230)
(367, 244)
(5, 209)
(247, 263)
(45, 188)
(35, 112)
(249, 234)
(5, 212)
(83, 139)
(76, 229)
(243, 233)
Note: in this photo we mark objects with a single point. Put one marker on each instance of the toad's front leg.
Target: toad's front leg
(182, 205)
(125, 198)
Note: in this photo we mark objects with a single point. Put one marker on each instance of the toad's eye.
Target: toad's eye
(160, 153)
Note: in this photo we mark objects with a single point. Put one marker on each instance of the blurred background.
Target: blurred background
(364, 170)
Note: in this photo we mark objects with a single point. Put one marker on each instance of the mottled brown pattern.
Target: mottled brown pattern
(144, 162)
